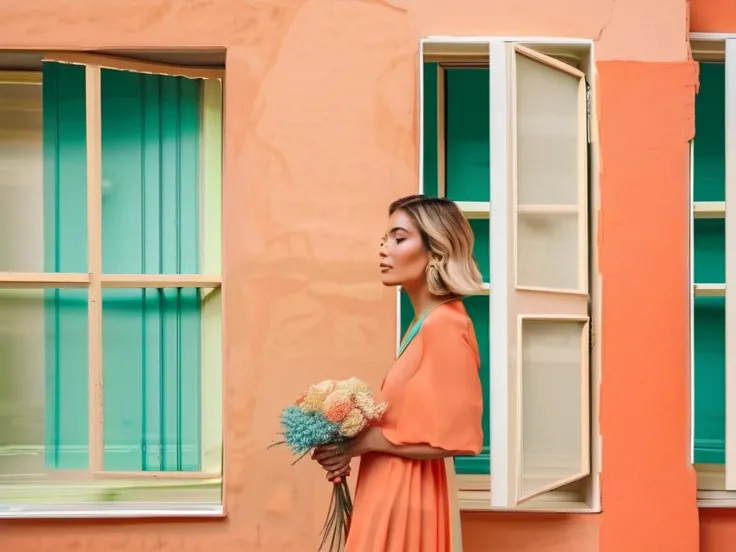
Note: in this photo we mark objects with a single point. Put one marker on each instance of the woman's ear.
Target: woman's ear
(434, 260)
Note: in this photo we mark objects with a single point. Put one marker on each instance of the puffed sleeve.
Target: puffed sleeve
(442, 404)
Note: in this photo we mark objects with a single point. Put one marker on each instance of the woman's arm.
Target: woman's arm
(447, 384)
(375, 441)
(335, 459)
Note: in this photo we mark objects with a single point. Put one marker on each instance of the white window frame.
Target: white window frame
(95, 480)
(717, 484)
(474, 492)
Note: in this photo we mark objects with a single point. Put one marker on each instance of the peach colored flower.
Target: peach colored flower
(316, 395)
(337, 406)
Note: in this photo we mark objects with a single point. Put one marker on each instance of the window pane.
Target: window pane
(43, 175)
(211, 377)
(151, 173)
(709, 168)
(548, 134)
(43, 397)
(21, 178)
(709, 236)
(552, 367)
(467, 141)
(548, 250)
(64, 168)
(709, 343)
(152, 353)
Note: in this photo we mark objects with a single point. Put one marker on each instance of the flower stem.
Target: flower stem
(337, 523)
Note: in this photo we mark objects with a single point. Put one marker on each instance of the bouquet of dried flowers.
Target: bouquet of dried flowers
(330, 412)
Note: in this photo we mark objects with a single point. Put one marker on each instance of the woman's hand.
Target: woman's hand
(335, 459)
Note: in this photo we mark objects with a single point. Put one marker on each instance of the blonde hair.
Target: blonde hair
(447, 235)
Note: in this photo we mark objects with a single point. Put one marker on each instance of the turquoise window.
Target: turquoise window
(709, 167)
(152, 338)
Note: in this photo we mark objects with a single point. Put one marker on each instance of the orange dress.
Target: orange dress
(434, 397)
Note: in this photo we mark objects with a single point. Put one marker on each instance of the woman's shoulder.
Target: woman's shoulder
(449, 326)
(450, 317)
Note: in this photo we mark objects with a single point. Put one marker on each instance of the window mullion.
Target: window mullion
(42, 280)
(159, 281)
(94, 256)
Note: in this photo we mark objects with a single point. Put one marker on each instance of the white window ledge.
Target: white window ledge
(113, 511)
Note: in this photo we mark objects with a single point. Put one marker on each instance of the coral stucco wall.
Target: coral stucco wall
(320, 135)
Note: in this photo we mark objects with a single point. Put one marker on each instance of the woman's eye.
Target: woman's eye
(399, 240)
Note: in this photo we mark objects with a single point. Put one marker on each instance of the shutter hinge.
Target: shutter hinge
(592, 335)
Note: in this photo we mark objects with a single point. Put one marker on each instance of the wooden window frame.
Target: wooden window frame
(95, 479)
(474, 491)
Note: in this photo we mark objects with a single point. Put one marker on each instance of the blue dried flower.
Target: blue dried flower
(303, 431)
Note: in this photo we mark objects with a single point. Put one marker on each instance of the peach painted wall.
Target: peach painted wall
(321, 132)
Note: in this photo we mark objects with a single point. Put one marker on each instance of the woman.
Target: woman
(433, 390)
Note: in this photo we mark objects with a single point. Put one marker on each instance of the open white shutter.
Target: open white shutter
(540, 414)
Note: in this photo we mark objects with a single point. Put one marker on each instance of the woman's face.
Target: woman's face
(404, 256)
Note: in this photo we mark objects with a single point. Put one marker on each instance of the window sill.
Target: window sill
(112, 499)
(716, 499)
(474, 495)
(555, 502)
(112, 511)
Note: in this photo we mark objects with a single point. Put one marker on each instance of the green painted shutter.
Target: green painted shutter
(150, 214)
(709, 178)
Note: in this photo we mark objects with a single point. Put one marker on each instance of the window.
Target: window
(504, 133)
(713, 187)
(110, 301)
